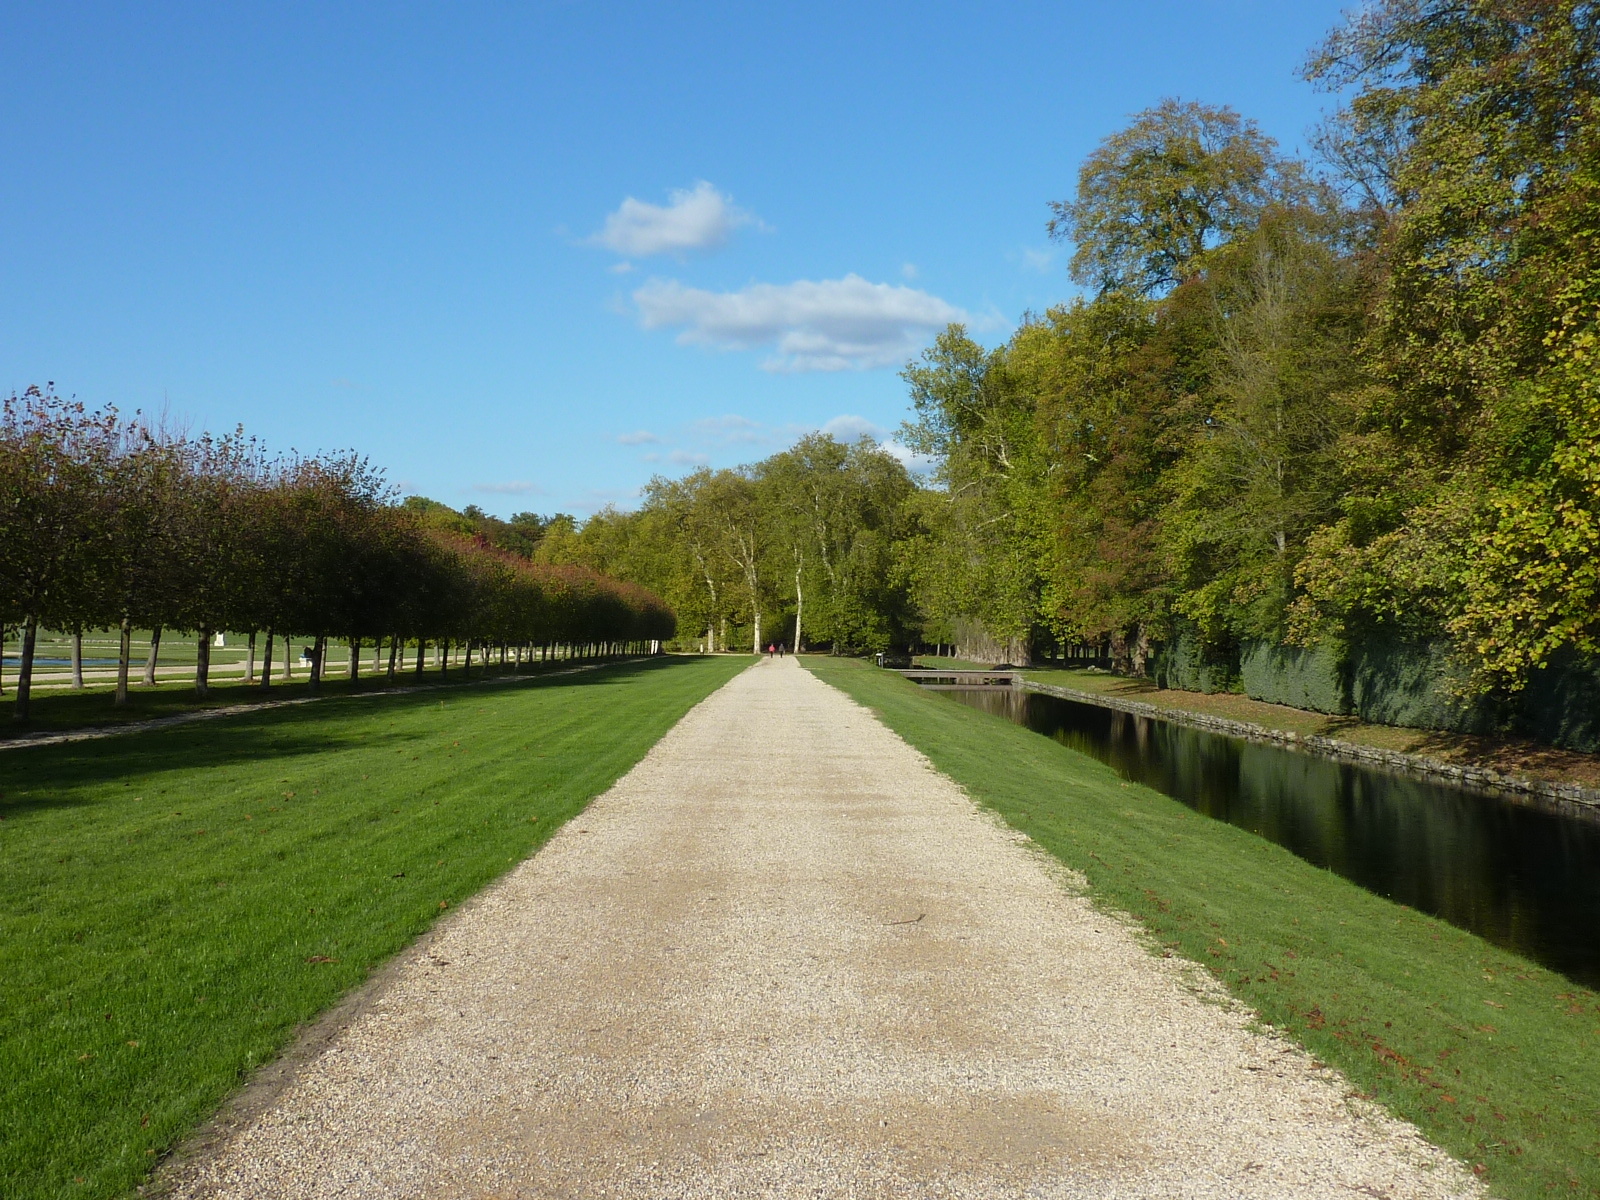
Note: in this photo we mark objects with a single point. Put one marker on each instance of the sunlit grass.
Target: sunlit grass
(176, 902)
(54, 710)
(1493, 1057)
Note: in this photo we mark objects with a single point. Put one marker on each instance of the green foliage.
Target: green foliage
(813, 532)
(1531, 577)
(1155, 197)
(113, 523)
(1466, 509)
(1261, 473)
(1281, 417)
(984, 542)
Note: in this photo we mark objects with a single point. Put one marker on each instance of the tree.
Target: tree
(834, 515)
(1464, 471)
(54, 459)
(1153, 198)
(984, 550)
(1263, 472)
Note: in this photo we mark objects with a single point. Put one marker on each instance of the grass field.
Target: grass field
(1493, 1057)
(59, 711)
(174, 903)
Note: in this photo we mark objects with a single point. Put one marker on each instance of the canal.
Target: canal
(1522, 876)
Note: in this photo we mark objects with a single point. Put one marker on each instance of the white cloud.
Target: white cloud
(516, 488)
(848, 428)
(1037, 260)
(823, 325)
(909, 270)
(917, 464)
(733, 437)
(639, 437)
(731, 430)
(694, 221)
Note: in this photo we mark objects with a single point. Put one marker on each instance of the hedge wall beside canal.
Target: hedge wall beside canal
(1301, 678)
(1392, 682)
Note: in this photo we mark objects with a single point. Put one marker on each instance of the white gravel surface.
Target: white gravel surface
(784, 957)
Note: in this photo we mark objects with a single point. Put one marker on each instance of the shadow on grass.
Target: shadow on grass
(64, 712)
(55, 774)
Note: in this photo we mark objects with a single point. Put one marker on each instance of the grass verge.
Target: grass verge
(61, 711)
(174, 904)
(1494, 1058)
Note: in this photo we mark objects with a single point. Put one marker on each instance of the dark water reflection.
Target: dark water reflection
(1523, 877)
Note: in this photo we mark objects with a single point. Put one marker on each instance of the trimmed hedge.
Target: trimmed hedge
(1387, 681)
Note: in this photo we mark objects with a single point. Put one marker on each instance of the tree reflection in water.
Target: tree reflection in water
(1522, 876)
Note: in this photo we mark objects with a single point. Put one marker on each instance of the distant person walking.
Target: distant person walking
(771, 650)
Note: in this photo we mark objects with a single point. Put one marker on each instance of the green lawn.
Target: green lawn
(1493, 1057)
(173, 904)
(59, 710)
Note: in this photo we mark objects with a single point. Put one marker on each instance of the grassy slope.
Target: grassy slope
(1493, 1057)
(173, 904)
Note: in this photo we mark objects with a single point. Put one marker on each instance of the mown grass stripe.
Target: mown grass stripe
(176, 903)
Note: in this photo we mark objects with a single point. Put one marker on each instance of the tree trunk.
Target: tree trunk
(150, 660)
(377, 656)
(355, 659)
(394, 649)
(444, 658)
(250, 660)
(77, 661)
(318, 648)
(30, 638)
(202, 663)
(466, 667)
(421, 658)
(124, 650)
(266, 661)
(799, 608)
(756, 618)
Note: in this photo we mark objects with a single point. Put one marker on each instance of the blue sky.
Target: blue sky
(526, 256)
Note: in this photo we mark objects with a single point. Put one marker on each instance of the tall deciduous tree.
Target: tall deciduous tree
(1181, 179)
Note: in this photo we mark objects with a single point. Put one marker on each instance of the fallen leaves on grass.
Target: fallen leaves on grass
(321, 958)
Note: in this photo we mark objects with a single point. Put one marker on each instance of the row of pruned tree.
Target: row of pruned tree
(111, 523)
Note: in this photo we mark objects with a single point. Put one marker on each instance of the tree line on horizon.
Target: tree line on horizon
(1306, 403)
(110, 522)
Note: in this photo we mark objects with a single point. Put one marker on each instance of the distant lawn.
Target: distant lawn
(1493, 1057)
(57, 710)
(174, 903)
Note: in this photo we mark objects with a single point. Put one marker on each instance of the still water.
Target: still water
(1524, 877)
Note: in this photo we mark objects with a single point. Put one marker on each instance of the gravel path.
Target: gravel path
(784, 957)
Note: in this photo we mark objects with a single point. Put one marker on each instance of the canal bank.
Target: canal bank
(1579, 797)
(1510, 765)
(1490, 1054)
